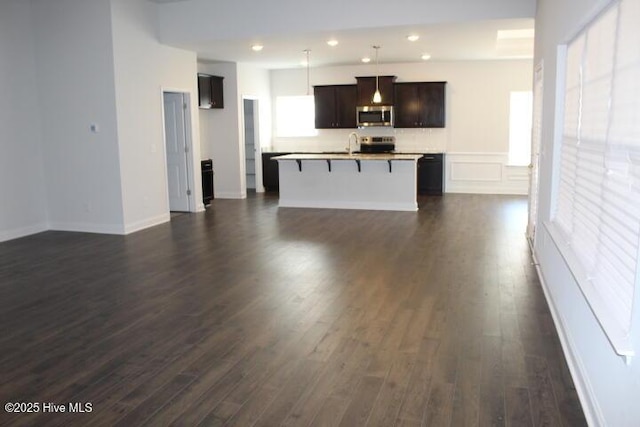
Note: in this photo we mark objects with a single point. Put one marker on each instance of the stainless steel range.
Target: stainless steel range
(377, 144)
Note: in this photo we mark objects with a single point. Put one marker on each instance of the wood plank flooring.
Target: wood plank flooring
(251, 315)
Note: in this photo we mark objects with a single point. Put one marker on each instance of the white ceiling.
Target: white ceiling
(469, 40)
(460, 41)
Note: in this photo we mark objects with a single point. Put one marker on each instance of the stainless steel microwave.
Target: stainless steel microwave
(374, 115)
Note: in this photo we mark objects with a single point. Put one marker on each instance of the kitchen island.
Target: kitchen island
(348, 181)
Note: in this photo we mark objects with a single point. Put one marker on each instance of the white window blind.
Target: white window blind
(597, 206)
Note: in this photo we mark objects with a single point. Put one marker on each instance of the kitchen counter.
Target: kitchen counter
(357, 152)
(347, 156)
(349, 181)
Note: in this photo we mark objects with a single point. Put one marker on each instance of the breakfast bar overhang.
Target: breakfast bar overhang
(349, 181)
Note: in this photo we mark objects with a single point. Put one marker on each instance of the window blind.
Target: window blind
(597, 205)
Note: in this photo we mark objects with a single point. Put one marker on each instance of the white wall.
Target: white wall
(220, 135)
(23, 207)
(76, 89)
(143, 68)
(476, 136)
(204, 20)
(222, 130)
(68, 65)
(609, 389)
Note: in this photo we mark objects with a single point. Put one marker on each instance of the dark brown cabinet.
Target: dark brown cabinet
(206, 167)
(367, 87)
(210, 93)
(270, 172)
(419, 105)
(431, 174)
(335, 106)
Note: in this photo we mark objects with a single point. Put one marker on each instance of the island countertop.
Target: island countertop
(346, 156)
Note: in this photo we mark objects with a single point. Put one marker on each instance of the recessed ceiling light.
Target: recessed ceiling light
(426, 57)
(366, 60)
(257, 47)
(413, 37)
(332, 42)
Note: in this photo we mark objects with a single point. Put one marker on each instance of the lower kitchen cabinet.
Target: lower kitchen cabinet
(431, 174)
(207, 181)
(270, 172)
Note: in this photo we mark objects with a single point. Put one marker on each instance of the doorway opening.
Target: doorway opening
(251, 142)
(534, 166)
(178, 152)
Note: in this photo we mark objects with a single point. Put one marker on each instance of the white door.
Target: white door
(536, 137)
(177, 149)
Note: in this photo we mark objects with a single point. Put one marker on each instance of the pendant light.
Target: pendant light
(377, 98)
(307, 51)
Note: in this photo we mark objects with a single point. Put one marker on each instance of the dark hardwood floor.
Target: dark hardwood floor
(253, 315)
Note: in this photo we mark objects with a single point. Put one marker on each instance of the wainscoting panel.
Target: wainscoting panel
(484, 173)
(474, 171)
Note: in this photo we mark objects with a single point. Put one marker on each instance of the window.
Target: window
(295, 116)
(520, 116)
(597, 205)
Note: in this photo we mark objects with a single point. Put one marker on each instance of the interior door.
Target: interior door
(177, 149)
(536, 136)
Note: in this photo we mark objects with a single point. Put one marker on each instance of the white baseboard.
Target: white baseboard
(229, 195)
(590, 407)
(16, 233)
(484, 190)
(146, 223)
(407, 207)
(88, 228)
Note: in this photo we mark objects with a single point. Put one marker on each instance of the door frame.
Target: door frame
(536, 143)
(256, 143)
(192, 172)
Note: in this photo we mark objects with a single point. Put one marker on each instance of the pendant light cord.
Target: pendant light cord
(377, 67)
(307, 52)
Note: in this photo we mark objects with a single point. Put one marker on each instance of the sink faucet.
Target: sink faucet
(350, 135)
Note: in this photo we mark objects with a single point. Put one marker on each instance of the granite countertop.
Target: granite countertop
(347, 156)
(357, 152)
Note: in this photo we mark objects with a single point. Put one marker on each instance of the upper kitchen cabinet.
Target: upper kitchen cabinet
(335, 106)
(210, 93)
(419, 105)
(367, 87)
